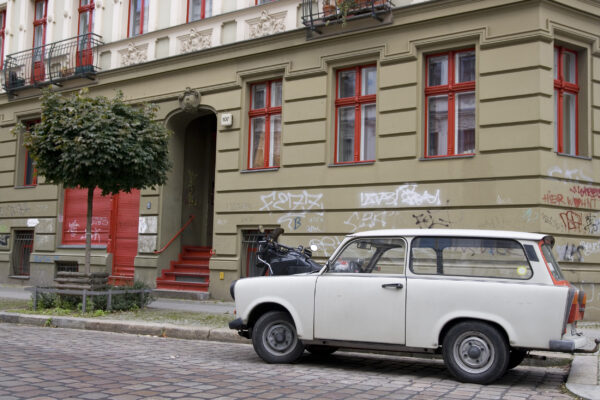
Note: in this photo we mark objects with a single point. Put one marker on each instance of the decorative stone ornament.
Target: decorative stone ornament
(189, 101)
(267, 25)
(195, 40)
(134, 55)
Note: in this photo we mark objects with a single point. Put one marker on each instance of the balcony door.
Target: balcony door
(84, 59)
(39, 40)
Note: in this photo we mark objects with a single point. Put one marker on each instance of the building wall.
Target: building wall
(515, 180)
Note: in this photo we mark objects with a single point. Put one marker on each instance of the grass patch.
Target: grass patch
(14, 304)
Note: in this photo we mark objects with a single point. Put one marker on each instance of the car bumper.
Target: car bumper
(239, 325)
(568, 343)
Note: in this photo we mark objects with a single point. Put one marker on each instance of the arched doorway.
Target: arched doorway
(188, 201)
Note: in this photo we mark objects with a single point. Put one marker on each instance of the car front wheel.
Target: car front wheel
(274, 338)
(475, 352)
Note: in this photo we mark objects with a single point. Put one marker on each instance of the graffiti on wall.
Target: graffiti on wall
(326, 244)
(574, 173)
(429, 220)
(368, 220)
(4, 239)
(300, 203)
(405, 195)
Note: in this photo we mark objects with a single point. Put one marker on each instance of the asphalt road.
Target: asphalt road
(47, 363)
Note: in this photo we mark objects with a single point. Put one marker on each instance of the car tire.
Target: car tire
(321, 350)
(475, 352)
(516, 357)
(275, 339)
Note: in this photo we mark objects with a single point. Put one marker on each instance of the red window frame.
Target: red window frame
(451, 90)
(87, 8)
(2, 30)
(202, 9)
(29, 169)
(266, 112)
(562, 86)
(42, 21)
(39, 73)
(142, 18)
(357, 101)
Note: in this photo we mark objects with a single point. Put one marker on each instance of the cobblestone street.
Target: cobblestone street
(46, 363)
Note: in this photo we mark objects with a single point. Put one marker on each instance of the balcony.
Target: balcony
(320, 13)
(53, 63)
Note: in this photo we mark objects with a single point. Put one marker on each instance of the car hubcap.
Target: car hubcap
(280, 338)
(474, 352)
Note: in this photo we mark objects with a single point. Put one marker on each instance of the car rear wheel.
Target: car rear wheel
(274, 338)
(475, 352)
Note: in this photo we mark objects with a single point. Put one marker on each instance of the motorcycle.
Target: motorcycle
(278, 259)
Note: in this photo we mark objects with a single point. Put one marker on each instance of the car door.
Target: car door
(362, 295)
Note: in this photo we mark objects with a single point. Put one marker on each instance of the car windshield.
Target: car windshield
(371, 255)
(552, 263)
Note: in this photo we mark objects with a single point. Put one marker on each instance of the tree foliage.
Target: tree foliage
(90, 142)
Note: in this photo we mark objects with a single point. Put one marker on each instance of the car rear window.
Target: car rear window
(552, 263)
(479, 257)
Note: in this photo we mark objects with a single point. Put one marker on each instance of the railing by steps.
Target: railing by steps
(189, 221)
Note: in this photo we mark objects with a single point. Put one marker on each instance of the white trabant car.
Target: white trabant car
(482, 299)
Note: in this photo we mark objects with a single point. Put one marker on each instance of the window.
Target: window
(371, 256)
(23, 247)
(450, 104)
(199, 9)
(265, 125)
(86, 8)
(28, 172)
(259, 2)
(355, 112)
(138, 17)
(493, 258)
(2, 29)
(39, 39)
(566, 101)
(84, 41)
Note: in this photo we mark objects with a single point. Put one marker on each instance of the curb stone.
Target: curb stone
(137, 328)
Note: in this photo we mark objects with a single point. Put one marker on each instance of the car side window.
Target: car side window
(371, 256)
(492, 258)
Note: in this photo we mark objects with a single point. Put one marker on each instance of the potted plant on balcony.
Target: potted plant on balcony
(328, 8)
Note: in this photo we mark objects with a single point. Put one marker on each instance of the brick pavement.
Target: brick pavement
(47, 363)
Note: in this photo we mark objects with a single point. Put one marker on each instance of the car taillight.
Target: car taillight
(577, 307)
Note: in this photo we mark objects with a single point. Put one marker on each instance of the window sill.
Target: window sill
(351, 164)
(446, 157)
(21, 277)
(26, 187)
(249, 171)
(574, 156)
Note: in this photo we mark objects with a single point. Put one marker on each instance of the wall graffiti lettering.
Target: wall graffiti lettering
(570, 252)
(326, 244)
(427, 220)
(44, 259)
(575, 221)
(558, 199)
(568, 173)
(571, 220)
(371, 219)
(590, 248)
(403, 195)
(4, 239)
(14, 210)
(292, 220)
(290, 201)
(586, 191)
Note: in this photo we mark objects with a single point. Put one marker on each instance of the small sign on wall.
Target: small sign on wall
(226, 119)
(4, 239)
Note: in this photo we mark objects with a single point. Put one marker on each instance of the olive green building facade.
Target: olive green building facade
(518, 175)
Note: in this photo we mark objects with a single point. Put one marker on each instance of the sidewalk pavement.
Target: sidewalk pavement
(583, 380)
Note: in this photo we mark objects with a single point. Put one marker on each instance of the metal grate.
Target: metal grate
(67, 266)
(250, 240)
(23, 246)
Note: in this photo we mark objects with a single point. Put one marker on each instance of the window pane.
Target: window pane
(345, 134)
(259, 96)
(367, 146)
(207, 8)
(275, 142)
(437, 126)
(569, 124)
(369, 81)
(371, 255)
(437, 70)
(2, 22)
(465, 123)
(257, 143)
(465, 66)
(84, 19)
(555, 63)
(347, 84)
(84, 3)
(146, 15)
(556, 100)
(39, 9)
(569, 67)
(195, 11)
(276, 94)
(135, 17)
(38, 33)
(29, 171)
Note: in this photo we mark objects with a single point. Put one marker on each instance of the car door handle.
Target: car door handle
(392, 285)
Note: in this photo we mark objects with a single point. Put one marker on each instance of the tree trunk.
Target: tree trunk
(88, 231)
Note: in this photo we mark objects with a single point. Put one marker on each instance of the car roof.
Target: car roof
(492, 234)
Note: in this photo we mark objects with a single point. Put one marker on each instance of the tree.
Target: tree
(90, 142)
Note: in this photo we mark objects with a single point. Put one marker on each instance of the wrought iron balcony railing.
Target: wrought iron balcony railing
(56, 62)
(317, 13)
